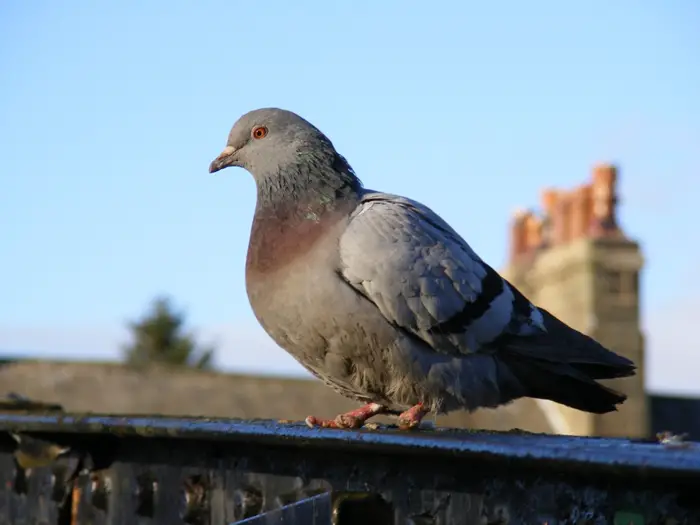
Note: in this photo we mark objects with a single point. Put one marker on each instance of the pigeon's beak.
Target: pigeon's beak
(225, 159)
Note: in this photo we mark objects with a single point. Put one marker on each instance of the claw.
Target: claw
(353, 419)
(412, 417)
(313, 422)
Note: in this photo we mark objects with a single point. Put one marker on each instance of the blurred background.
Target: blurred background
(122, 259)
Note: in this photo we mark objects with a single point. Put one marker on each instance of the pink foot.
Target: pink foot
(412, 417)
(353, 419)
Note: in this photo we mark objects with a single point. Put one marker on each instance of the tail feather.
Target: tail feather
(564, 344)
(563, 364)
(604, 371)
(563, 384)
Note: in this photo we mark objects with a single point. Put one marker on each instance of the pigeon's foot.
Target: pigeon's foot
(353, 419)
(412, 417)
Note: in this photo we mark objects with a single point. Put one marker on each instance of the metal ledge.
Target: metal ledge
(621, 456)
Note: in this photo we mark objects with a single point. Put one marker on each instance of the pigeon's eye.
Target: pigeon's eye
(260, 132)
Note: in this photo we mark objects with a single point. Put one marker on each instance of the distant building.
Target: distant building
(574, 259)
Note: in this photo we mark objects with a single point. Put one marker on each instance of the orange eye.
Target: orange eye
(260, 132)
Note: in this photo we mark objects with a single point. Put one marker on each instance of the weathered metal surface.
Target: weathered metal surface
(127, 470)
(598, 453)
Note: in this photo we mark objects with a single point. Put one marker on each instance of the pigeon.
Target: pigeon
(381, 299)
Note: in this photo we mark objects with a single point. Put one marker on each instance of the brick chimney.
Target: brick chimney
(548, 200)
(581, 212)
(604, 199)
(587, 211)
(561, 219)
(533, 232)
(518, 240)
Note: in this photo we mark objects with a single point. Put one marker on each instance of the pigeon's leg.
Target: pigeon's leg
(412, 417)
(353, 419)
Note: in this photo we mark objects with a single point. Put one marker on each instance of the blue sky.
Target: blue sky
(111, 112)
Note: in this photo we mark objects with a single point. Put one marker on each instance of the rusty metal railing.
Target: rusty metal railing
(71, 468)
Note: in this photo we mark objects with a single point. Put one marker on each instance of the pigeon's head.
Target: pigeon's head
(266, 141)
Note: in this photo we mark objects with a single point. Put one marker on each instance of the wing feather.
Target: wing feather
(426, 279)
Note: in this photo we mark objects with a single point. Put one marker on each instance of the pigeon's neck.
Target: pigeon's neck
(295, 209)
(307, 189)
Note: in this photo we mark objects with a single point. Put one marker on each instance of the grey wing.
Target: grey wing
(426, 279)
